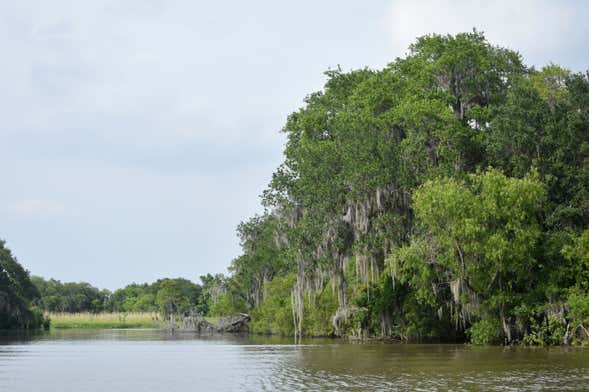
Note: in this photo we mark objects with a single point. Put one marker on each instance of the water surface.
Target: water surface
(151, 360)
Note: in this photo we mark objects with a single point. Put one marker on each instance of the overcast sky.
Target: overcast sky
(135, 135)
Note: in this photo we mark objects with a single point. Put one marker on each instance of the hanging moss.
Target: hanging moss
(439, 195)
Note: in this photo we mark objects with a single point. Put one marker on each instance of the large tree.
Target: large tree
(359, 154)
(17, 294)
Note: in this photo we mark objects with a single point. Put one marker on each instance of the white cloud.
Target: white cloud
(152, 61)
(35, 209)
(539, 29)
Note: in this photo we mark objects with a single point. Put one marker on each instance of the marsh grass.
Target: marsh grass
(105, 320)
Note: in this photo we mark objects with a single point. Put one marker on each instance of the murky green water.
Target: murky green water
(144, 360)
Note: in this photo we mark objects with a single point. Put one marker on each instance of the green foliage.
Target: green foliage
(70, 296)
(445, 196)
(213, 287)
(262, 258)
(17, 295)
(274, 315)
(319, 312)
(578, 302)
(485, 332)
(227, 305)
(177, 296)
(577, 254)
(551, 84)
(475, 249)
(545, 330)
(164, 295)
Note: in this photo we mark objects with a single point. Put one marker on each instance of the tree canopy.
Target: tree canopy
(442, 197)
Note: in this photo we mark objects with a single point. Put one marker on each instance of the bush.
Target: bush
(38, 319)
(578, 302)
(319, 311)
(274, 315)
(227, 305)
(485, 332)
(550, 331)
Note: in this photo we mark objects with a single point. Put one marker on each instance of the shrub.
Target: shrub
(549, 331)
(485, 332)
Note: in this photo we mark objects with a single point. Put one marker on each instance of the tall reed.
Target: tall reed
(105, 320)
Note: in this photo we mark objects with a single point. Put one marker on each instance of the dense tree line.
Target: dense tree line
(166, 296)
(443, 197)
(70, 296)
(18, 295)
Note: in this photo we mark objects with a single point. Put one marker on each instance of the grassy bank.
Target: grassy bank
(105, 320)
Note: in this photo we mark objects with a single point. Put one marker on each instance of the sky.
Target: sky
(135, 135)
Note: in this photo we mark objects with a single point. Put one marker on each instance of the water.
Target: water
(149, 360)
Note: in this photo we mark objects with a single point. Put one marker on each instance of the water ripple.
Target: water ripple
(152, 361)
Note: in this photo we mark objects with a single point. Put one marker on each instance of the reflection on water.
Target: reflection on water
(149, 360)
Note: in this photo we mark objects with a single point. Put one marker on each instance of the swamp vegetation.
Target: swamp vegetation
(442, 198)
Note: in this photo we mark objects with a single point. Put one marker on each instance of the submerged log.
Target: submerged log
(237, 323)
(197, 324)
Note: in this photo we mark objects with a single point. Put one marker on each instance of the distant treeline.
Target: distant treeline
(168, 296)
